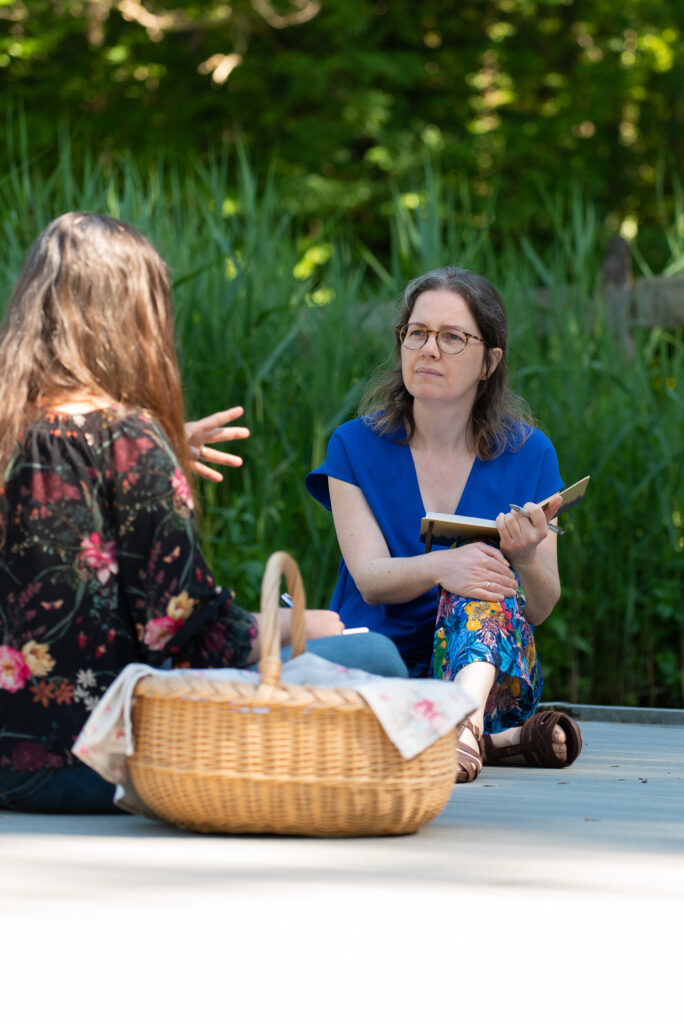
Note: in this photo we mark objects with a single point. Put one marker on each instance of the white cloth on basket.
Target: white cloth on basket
(413, 712)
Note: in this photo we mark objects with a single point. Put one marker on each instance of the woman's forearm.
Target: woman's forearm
(388, 580)
(476, 570)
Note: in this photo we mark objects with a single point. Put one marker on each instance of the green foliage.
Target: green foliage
(350, 98)
(291, 325)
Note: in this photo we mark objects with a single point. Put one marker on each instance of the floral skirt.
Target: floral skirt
(468, 631)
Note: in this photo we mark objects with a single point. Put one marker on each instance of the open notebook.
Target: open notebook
(443, 528)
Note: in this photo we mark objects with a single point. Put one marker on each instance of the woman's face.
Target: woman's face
(430, 375)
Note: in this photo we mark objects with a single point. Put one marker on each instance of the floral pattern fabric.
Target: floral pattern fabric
(100, 568)
(497, 632)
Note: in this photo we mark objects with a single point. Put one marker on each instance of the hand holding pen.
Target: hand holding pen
(524, 512)
(522, 530)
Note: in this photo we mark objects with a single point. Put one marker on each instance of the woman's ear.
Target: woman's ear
(492, 360)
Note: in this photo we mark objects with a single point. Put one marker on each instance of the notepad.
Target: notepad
(441, 527)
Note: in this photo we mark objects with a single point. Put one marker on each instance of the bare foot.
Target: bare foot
(510, 737)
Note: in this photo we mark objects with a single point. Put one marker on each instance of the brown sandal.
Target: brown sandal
(469, 764)
(536, 744)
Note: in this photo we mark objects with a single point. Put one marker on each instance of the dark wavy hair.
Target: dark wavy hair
(500, 418)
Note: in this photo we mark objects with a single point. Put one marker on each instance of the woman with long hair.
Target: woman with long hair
(441, 431)
(99, 560)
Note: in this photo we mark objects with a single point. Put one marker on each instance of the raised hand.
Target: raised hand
(210, 431)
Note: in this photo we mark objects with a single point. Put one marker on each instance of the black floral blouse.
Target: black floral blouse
(100, 568)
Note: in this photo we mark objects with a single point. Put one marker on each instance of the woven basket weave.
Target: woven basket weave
(300, 760)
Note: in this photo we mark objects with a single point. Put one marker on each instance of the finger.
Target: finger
(537, 516)
(207, 472)
(222, 458)
(509, 525)
(493, 557)
(551, 509)
(198, 431)
(495, 568)
(223, 434)
(219, 419)
(506, 585)
(492, 590)
(490, 550)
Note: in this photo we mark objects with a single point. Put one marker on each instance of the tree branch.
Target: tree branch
(170, 21)
(304, 10)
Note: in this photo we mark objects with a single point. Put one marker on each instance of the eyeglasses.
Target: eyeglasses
(450, 340)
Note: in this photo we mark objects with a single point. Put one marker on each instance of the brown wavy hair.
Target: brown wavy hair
(499, 417)
(90, 314)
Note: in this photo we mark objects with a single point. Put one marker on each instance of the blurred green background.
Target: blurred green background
(296, 162)
(345, 98)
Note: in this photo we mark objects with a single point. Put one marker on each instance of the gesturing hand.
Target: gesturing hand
(520, 536)
(478, 570)
(213, 430)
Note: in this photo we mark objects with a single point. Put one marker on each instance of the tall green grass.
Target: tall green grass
(290, 319)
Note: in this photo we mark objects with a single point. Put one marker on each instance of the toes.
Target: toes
(558, 742)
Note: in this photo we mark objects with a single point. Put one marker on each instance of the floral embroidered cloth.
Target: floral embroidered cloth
(413, 712)
(100, 568)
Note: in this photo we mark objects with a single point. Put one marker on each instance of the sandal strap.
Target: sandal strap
(474, 731)
(537, 739)
(536, 742)
(469, 763)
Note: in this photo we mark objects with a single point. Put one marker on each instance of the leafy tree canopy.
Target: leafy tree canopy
(348, 97)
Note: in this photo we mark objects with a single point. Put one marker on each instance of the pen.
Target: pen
(524, 512)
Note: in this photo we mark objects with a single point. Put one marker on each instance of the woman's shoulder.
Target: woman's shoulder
(136, 423)
(94, 435)
(362, 431)
(526, 439)
(356, 454)
(112, 421)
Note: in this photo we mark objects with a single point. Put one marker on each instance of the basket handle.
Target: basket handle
(270, 664)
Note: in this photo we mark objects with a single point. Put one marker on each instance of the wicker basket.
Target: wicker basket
(301, 760)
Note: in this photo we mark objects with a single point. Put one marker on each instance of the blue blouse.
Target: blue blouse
(384, 470)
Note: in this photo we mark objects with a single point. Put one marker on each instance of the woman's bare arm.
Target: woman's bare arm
(476, 570)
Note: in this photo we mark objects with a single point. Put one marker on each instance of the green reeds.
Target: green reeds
(290, 319)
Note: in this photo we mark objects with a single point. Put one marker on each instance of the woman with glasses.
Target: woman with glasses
(442, 432)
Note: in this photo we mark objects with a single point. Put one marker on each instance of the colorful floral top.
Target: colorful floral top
(100, 568)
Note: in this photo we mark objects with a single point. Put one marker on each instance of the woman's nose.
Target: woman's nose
(431, 346)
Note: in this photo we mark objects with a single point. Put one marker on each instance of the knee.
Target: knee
(381, 656)
(370, 652)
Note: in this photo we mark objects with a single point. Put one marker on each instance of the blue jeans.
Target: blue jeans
(74, 789)
(371, 652)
